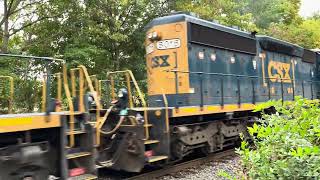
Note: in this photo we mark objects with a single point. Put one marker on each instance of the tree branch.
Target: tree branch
(32, 23)
(25, 6)
(126, 16)
(32, 14)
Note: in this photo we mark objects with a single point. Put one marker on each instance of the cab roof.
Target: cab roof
(187, 18)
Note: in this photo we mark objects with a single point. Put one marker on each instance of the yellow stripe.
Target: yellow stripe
(25, 123)
(15, 121)
(196, 110)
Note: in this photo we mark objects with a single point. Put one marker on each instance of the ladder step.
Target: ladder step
(147, 125)
(76, 132)
(74, 113)
(104, 164)
(126, 125)
(84, 177)
(156, 158)
(151, 141)
(97, 109)
(92, 123)
(78, 155)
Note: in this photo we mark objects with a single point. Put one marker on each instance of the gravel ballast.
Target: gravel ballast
(226, 168)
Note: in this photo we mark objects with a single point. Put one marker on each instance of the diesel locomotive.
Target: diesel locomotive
(203, 81)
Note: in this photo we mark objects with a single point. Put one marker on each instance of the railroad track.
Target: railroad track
(181, 166)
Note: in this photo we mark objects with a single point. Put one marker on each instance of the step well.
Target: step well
(84, 177)
(78, 155)
(156, 158)
(151, 141)
(76, 132)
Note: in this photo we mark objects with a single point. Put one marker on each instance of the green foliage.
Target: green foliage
(265, 12)
(226, 175)
(108, 35)
(102, 35)
(306, 34)
(286, 144)
(227, 12)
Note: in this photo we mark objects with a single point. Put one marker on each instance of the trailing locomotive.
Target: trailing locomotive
(204, 80)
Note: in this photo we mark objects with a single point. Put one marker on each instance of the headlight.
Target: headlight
(120, 94)
(154, 35)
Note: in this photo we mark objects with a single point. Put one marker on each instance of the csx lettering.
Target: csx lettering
(160, 61)
(278, 71)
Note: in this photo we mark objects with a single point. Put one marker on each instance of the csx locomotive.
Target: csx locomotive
(204, 80)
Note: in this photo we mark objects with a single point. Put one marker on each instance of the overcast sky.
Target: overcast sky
(309, 7)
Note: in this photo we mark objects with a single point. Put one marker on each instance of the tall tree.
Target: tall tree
(305, 34)
(265, 12)
(101, 34)
(227, 12)
(18, 15)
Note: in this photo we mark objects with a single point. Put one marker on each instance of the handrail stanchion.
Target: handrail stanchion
(44, 94)
(222, 95)
(113, 94)
(269, 90)
(71, 108)
(81, 107)
(73, 82)
(293, 94)
(59, 89)
(176, 87)
(282, 93)
(253, 92)
(129, 90)
(302, 85)
(201, 91)
(239, 93)
(165, 100)
(311, 88)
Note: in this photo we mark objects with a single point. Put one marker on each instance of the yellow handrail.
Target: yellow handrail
(95, 79)
(97, 100)
(10, 108)
(69, 99)
(44, 94)
(73, 81)
(81, 105)
(129, 90)
(59, 90)
(130, 74)
(113, 94)
(71, 108)
(167, 111)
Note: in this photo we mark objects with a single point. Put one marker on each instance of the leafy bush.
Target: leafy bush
(286, 144)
